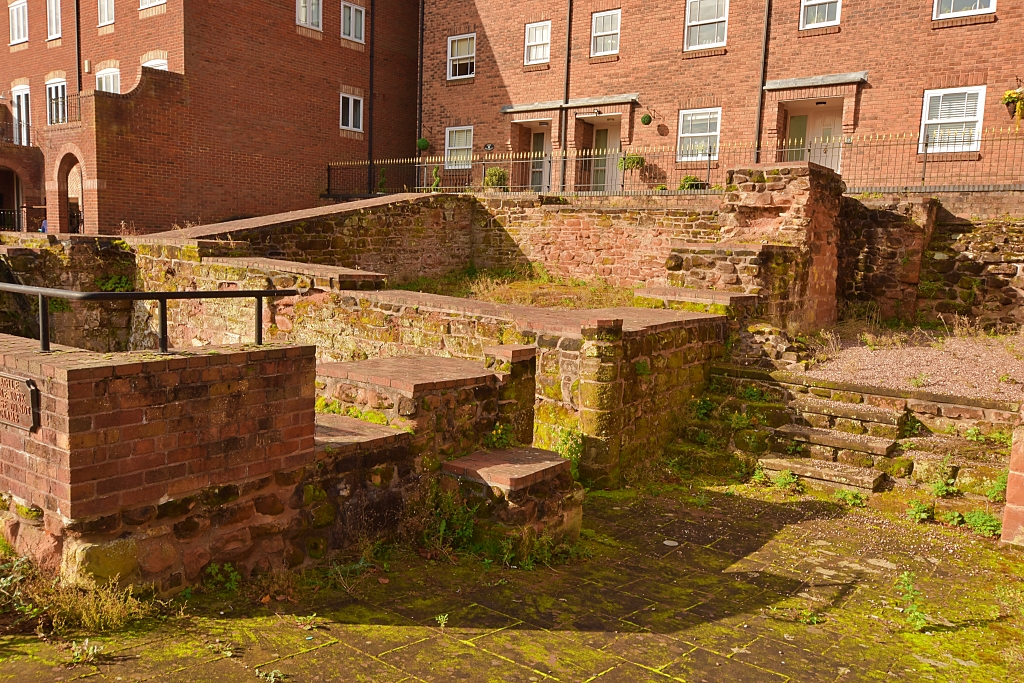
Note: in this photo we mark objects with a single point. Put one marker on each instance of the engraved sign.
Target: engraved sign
(19, 402)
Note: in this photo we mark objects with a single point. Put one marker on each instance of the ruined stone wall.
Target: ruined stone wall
(78, 263)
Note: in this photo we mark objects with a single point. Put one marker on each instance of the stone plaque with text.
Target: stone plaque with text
(19, 402)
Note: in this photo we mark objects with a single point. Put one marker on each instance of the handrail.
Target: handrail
(46, 293)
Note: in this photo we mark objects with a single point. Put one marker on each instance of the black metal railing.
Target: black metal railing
(76, 222)
(992, 160)
(10, 220)
(63, 109)
(16, 133)
(45, 294)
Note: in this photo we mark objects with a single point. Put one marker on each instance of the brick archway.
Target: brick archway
(57, 212)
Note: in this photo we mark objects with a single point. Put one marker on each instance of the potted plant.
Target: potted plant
(1014, 101)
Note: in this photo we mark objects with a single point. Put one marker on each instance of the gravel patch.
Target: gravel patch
(963, 366)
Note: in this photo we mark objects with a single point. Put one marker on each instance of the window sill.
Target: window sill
(964, 21)
(105, 30)
(536, 67)
(18, 47)
(309, 32)
(697, 54)
(466, 80)
(823, 31)
(353, 45)
(949, 156)
(351, 134)
(153, 11)
(601, 59)
(54, 42)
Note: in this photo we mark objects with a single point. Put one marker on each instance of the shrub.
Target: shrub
(920, 512)
(496, 177)
(631, 162)
(854, 499)
(984, 523)
(690, 182)
(423, 144)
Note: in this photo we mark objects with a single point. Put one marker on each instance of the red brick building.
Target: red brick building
(142, 114)
(704, 74)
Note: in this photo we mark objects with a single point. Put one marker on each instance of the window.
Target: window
(458, 147)
(705, 23)
(143, 4)
(461, 56)
(604, 33)
(352, 22)
(109, 80)
(159, 64)
(19, 22)
(52, 19)
(946, 9)
(106, 12)
(307, 13)
(56, 101)
(698, 134)
(816, 13)
(951, 121)
(351, 113)
(538, 43)
(22, 117)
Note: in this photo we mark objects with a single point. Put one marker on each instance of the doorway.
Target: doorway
(22, 116)
(814, 132)
(605, 170)
(540, 168)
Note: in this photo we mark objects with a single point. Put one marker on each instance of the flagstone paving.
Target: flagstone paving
(758, 587)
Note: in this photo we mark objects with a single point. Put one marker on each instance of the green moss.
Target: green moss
(313, 494)
(33, 513)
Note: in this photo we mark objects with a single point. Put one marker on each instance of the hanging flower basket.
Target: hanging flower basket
(1014, 101)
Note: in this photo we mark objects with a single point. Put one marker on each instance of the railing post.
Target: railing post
(550, 168)
(44, 324)
(329, 180)
(924, 163)
(259, 321)
(709, 167)
(163, 325)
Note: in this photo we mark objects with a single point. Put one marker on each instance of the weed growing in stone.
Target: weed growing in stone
(739, 421)
(223, 578)
(84, 653)
(996, 492)
(274, 676)
(703, 408)
(114, 283)
(984, 523)
(919, 380)
(570, 447)
(810, 617)
(310, 623)
(911, 598)
(853, 499)
(952, 518)
(920, 512)
(787, 481)
(974, 434)
(442, 620)
(760, 476)
(502, 436)
(944, 488)
(751, 393)
(642, 368)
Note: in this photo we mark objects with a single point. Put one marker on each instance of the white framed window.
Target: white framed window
(706, 23)
(698, 134)
(52, 19)
(159, 64)
(948, 9)
(308, 13)
(818, 13)
(604, 33)
(951, 120)
(352, 113)
(18, 13)
(109, 80)
(143, 4)
(106, 12)
(56, 101)
(538, 43)
(20, 109)
(352, 22)
(461, 56)
(458, 147)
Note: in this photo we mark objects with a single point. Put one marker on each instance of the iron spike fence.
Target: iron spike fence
(16, 133)
(45, 294)
(993, 160)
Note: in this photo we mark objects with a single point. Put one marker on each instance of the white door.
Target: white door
(824, 140)
(539, 166)
(22, 116)
(606, 159)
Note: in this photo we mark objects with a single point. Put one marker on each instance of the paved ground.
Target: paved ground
(760, 587)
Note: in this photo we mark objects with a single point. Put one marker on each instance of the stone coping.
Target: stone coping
(282, 266)
(551, 321)
(71, 364)
(799, 379)
(340, 434)
(700, 296)
(411, 375)
(511, 352)
(727, 248)
(509, 469)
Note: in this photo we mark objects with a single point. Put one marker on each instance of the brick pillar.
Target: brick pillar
(601, 401)
(1013, 515)
(517, 366)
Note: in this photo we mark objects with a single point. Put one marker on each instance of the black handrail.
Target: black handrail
(45, 294)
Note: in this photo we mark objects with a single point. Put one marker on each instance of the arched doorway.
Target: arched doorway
(70, 195)
(11, 215)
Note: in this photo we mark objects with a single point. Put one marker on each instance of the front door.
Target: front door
(22, 116)
(824, 147)
(606, 159)
(538, 165)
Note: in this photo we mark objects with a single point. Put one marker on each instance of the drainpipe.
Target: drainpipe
(369, 106)
(78, 42)
(419, 102)
(563, 115)
(764, 74)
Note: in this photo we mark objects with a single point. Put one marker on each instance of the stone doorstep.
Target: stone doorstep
(336, 273)
(826, 437)
(341, 433)
(413, 375)
(716, 248)
(852, 411)
(832, 473)
(511, 352)
(698, 296)
(509, 469)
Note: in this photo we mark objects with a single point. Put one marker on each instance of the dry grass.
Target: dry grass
(526, 286)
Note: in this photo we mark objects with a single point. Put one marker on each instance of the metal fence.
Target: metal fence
(10, 220)
(15, 133)
(63, 109)
(905, 162)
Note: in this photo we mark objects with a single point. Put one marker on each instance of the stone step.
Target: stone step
(715, 248)
(850, 411)
(832, 473)
(833, 439)
(509, 469)
(697, 296)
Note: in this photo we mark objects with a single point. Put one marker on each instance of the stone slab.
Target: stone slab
(697, 296)
(510, 469)
(342, 432)
(852, 411)
(826, 437)
(511, 352)
(344, 277)
(412, 375)
(833, 473)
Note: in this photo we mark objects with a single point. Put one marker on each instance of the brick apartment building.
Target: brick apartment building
(698, 74)
(149, 113)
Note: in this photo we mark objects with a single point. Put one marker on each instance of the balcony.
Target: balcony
(63, 109)
(16, 133)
